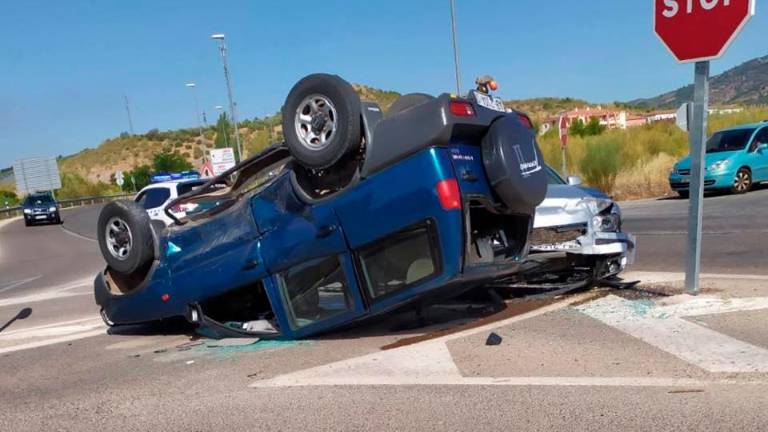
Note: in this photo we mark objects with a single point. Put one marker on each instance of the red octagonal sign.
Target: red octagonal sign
(697, 30)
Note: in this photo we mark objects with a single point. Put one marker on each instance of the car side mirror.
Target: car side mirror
(574, 180)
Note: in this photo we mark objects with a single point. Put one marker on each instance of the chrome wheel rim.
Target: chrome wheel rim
(316, 122)
(742, 181)
(119, 238)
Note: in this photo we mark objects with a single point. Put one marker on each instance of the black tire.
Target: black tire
(26, 223)
(333, 126)
(683, 194)
(125, 251)
(408, 101)
(742, 183)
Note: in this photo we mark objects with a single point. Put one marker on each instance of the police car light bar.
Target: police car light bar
(175, 176)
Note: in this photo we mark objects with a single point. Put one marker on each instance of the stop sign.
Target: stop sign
(697, 30)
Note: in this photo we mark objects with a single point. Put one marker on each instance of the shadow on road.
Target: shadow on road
(23, 314)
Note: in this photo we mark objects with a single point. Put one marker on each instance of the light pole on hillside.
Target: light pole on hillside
(220, 109)
(192, 86)
(456, 63)
(223, 50)
(128, 111)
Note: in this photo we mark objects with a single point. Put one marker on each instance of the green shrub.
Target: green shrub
(602, 162)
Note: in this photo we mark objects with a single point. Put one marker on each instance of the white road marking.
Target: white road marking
(663, 326)
(51, 293)
(50, 334)
(648, 277)
(74, 234)
(15, 284)
(423, 363)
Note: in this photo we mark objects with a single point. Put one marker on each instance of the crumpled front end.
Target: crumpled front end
(588, 230)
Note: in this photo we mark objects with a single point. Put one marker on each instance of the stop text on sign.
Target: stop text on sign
(698, 30)
(672, 7)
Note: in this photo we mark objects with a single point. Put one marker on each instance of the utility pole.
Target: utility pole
(223, 50)
(456, 63)
(128, 110)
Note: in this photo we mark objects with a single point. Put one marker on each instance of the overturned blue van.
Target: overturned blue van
(356, 214)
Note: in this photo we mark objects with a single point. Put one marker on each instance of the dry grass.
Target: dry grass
(645, 179)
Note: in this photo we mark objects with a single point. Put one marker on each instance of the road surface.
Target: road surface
(564, 364)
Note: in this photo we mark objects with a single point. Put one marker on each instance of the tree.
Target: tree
(577, 128)
(137, 178)
(169, 161)
(8, 199)
(223, 132)
(594, 128)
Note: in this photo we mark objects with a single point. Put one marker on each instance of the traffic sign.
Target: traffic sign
(562, 124)
(698, 30)
(683, 116)
(119, 178)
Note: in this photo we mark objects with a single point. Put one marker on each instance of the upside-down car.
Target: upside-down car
(356, 214)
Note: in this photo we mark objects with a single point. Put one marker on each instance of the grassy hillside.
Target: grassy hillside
(129, 151)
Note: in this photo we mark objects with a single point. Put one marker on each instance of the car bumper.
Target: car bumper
(41, 217)
(711, 181)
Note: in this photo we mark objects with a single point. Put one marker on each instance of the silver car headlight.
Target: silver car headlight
(609, 220)
(27, 211)
(52, 209)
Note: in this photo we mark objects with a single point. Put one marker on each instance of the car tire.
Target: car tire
(408, 101)
(125, 236)
(26, 223)
(321, 120)
(683, 194)
(742, 182)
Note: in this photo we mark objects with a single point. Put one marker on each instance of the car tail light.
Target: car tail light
(525, 121)
(462, 109)
(165, 297)
(449, 194)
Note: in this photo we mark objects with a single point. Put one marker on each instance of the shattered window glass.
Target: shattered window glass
(314, 291)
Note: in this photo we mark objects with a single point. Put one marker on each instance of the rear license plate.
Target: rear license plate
(489, 102)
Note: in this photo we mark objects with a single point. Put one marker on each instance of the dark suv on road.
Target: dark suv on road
(40, 207)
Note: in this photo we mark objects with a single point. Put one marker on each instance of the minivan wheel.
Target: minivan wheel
(125, 236)
(742, 183)
(321, 120)
(683, 194)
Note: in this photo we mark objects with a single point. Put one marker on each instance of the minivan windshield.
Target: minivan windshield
(38, 199)
(730, 140)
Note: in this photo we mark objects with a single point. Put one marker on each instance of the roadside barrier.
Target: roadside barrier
(10, 212)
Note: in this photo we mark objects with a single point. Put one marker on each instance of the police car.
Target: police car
(164, 188)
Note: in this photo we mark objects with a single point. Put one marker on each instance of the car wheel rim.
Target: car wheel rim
(742, 181)
(316, 122)
(119, 238)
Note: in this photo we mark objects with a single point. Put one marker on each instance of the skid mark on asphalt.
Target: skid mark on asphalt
(662, 324)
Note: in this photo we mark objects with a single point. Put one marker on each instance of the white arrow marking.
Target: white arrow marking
(662, 325)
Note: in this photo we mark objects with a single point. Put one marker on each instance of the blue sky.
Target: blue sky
(64, 65)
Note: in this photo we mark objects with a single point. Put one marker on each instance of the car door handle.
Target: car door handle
(325, 231)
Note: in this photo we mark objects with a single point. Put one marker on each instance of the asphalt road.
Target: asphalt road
(560, 366)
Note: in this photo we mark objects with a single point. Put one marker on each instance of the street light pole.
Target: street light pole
(455, 48)
(128, 110)
(223, 50)
(192, 86)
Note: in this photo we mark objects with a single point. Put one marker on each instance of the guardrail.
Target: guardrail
(6, 213)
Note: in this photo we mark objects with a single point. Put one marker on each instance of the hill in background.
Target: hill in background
(746, 84)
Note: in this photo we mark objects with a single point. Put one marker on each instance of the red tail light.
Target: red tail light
(165, 297)
(462, 109)
(525, 121)
(449, 194)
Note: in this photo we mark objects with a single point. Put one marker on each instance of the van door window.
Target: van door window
(154, 198)
(315, 290)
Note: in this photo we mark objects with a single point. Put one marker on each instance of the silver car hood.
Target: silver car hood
(552, 211)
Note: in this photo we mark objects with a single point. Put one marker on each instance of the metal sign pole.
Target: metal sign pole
(697, 140)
